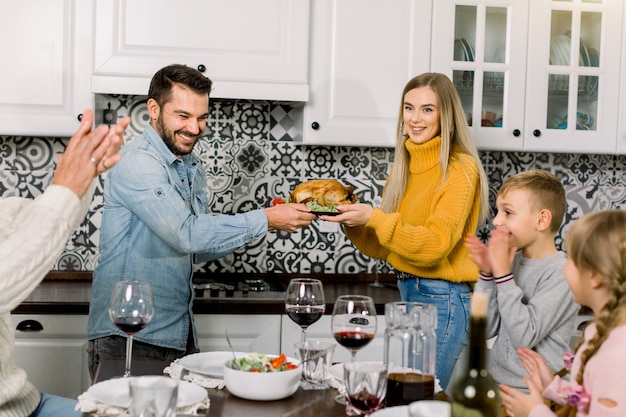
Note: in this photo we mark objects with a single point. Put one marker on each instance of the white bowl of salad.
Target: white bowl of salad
(262, 377)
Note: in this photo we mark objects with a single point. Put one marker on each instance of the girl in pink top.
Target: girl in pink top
(596, 273)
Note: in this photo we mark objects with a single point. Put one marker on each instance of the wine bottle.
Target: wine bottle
(476, 394)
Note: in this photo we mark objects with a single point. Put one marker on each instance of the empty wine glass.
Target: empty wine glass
(304, 302)
(354, 322)
(131, 308)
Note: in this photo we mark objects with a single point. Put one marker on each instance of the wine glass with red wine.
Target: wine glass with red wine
(131, 308)
(354, 322)
(304, 302)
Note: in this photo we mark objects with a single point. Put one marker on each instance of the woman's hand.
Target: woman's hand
(351, 215)
(89, 153)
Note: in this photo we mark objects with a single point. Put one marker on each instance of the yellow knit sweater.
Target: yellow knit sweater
(427, 236)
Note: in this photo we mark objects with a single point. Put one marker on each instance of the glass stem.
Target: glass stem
(353, 357)
(129, 355)
(303, 336)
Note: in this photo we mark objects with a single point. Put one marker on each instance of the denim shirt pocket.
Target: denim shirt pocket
(200, 203)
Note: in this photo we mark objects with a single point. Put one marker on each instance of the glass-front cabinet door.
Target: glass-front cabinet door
(484, 53)
(535, 75)
(573, 75)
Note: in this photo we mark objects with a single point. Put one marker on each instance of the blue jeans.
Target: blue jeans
(453, 304)
(55, 406)
(114, 347)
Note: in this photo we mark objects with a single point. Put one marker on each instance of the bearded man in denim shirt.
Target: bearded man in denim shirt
(156, 225)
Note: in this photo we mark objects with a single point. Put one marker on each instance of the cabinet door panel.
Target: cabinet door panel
(247, 333)
(54, 366)
(55, 358)
(45, 76)
(250, 49)
(362, 54)
(571, 102)
(484, 53)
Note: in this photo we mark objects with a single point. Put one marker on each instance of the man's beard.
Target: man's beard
(169, 138)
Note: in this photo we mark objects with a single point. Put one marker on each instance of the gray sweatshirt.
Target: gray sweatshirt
(531, 308)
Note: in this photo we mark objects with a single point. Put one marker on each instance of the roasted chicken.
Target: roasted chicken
(324, 192)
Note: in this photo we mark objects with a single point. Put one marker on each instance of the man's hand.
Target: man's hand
(289, 217)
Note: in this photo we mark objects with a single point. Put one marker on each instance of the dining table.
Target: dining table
(304, 403)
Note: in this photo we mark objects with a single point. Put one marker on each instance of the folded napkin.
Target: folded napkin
(336, 384)
(88, 404)
(174, 369)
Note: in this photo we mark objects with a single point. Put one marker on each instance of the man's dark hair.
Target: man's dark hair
(162, 82)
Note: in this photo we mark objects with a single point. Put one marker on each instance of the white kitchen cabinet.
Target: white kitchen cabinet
(250, 49)
(321, 330)
(55, 358)
(45, 78)
(248, 333)
(362, 54)
(534, 75)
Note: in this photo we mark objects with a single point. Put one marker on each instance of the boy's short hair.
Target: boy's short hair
(547, 193)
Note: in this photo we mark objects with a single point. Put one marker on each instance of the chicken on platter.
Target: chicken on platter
(321, 195)
(325, 192)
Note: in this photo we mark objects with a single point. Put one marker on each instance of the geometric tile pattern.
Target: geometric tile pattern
(251, 154)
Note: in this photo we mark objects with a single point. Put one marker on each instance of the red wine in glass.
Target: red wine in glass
(354, 322)
(130, 325)
(305, 316)
(353, 340)
(131, 308)
(304, 302)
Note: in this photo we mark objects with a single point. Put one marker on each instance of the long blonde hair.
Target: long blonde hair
(455, 137)
(596, 243)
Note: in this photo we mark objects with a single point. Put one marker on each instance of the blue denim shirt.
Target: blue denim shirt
(155, 226)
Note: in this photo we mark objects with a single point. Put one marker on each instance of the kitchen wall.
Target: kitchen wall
(251, 155)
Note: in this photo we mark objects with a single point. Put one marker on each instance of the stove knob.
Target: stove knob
(214, 290)
(230, 290)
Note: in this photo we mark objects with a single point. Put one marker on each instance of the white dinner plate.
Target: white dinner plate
(336, 371)
(399, 411)
(115, 392)
(208, 363)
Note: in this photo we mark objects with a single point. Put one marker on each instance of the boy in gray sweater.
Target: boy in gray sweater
(530, 303)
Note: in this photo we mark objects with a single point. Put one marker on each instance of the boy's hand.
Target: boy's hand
(500, 255)
(479, 253)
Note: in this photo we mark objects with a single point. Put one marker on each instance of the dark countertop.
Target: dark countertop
(63, 294)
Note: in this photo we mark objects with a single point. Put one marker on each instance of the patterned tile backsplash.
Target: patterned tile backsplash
(251, 155)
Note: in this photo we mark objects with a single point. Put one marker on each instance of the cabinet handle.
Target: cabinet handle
(201, 68)
(315, 125)
(80, 117)
(29, 326)
(536, 133)
(516, 132)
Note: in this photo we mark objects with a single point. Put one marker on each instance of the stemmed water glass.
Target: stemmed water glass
(304, 302)
(131, 308)
(354, 322)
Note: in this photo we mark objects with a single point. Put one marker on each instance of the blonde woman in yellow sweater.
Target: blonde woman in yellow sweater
(436, 195)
